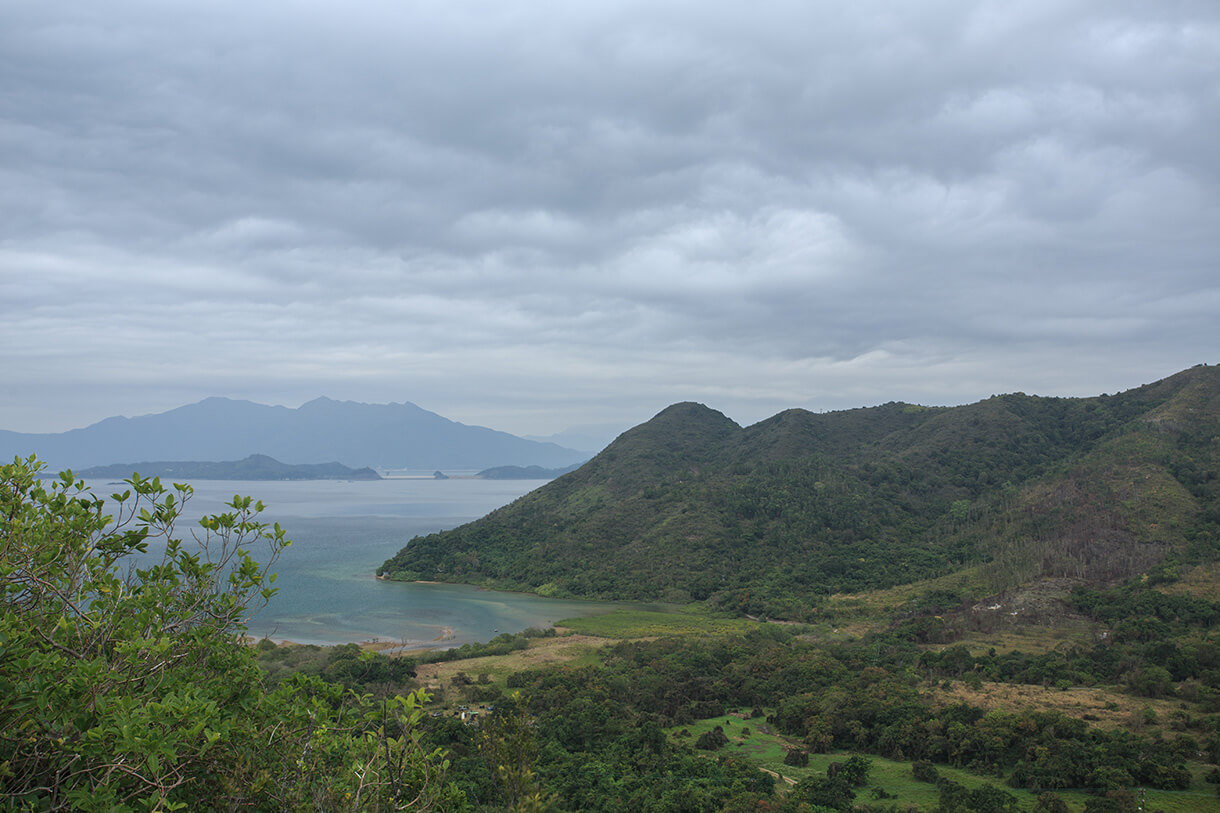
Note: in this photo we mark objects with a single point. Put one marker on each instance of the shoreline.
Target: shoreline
(381, 578)
(455, 633)
(382, 645)
(530, 593)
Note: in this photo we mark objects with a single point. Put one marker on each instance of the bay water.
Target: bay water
(342, 530)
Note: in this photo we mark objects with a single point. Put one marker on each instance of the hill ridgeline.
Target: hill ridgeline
(776, 516)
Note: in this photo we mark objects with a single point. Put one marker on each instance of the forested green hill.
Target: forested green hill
(772, 517)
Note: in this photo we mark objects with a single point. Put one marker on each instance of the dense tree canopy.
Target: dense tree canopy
(772, 518)
(125, 682)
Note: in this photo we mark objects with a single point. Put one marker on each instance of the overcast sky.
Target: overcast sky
(534, 215)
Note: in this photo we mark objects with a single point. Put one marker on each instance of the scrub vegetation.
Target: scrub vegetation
(126, 682)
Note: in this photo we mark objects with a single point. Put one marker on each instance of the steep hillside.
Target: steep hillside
(770, 517)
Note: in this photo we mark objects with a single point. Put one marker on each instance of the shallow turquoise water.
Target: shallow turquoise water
(342, 531)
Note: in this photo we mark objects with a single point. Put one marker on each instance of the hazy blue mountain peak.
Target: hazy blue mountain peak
(389, 436)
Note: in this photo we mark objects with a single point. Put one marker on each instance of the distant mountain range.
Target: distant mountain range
(402, 436)
(588, 437)
(254, 467)
(773, 517)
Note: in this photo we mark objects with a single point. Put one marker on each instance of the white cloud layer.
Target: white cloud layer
(537, 215)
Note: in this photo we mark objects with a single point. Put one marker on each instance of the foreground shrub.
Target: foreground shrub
(126, 683)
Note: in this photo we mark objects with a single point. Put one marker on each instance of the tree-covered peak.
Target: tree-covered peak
(802, 505)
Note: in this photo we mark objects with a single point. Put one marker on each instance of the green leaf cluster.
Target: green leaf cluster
(126, 682)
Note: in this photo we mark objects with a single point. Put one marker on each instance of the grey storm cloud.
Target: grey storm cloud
(538, 214)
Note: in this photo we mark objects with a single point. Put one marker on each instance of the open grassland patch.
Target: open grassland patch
(831, 633)
(881, 602)
(1200, 798)
(642, 623)
(1202, 582)
(1034, 638)
(863, 613)
(751, 739)
(576, 650)
(1105, 708)
(755, 740)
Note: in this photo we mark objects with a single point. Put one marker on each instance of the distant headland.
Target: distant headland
(254, 467)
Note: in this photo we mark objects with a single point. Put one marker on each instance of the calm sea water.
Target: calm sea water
(342, 531)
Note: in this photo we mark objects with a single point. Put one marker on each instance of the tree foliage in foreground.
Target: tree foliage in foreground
(125, 682)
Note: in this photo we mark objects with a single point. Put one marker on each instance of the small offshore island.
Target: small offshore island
(254, 467)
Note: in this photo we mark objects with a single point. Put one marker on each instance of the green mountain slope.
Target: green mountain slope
(771, 517)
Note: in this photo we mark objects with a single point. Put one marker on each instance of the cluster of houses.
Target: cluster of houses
(466, 714)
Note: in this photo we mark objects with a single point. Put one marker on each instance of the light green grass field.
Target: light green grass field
(766, 749)
(647, 623)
